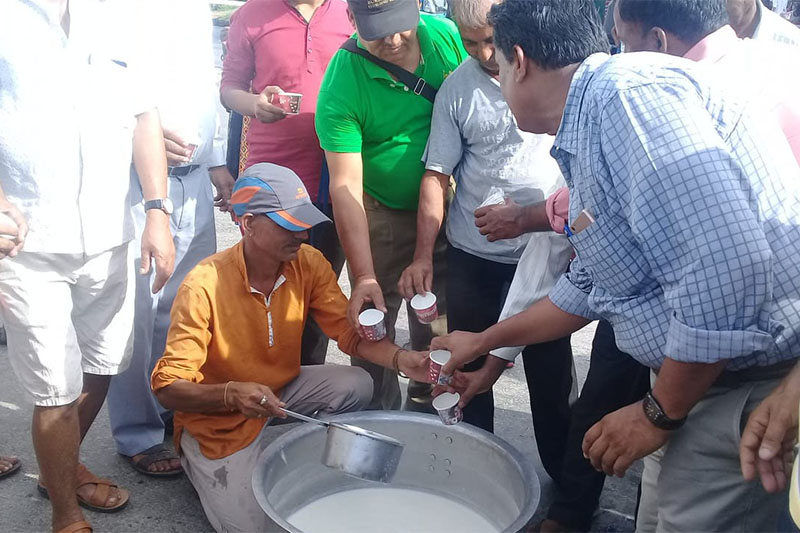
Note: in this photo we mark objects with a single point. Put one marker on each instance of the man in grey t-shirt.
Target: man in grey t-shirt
(475, 138)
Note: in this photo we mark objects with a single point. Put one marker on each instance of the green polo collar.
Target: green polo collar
(426, 48)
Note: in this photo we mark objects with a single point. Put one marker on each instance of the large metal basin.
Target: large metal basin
(462, 462)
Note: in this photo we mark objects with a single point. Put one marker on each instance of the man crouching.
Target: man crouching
(232, 357)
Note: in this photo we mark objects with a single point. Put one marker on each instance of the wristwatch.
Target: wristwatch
(165, 204)
(656, 415)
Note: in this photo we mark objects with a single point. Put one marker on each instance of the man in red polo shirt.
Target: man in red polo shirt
(285, 45)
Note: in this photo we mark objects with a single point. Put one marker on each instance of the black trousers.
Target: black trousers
(614, 380)
(476, 291)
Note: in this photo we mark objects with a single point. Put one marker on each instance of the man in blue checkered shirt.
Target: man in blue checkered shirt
(685, 218)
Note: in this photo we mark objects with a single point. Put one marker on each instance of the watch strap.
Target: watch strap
(157, 203)
(655, 414)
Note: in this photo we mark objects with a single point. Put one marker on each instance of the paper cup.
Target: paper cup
(447, 406)
(438, 359)
(424, 306)
(289, 102)
(372, 325)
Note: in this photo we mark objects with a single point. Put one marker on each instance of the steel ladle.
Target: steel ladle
(356, 451)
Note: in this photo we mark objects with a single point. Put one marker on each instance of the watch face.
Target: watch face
(167, 206)
(651, 410)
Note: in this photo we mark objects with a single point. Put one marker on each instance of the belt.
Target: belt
(179, 172)
(735, 378)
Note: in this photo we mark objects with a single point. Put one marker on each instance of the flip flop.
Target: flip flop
(14, 469)
(98, 501)
(75, 527)
(156, 453)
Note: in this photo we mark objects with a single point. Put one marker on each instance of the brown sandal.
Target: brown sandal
(98, 501)
(75, 527)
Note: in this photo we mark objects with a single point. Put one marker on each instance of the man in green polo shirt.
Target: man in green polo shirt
(374, 129)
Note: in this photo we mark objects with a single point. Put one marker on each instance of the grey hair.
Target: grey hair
(472, 14)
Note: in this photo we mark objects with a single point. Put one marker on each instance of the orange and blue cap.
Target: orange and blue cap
(277, 192)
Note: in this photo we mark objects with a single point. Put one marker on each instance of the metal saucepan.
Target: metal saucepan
(356, 451)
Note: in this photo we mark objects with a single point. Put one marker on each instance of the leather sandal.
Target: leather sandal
(151, 455)
(14, 469)
(75, 527)
(98, 501)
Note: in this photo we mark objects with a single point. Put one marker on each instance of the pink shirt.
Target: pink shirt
(766, 71)
(270, 43)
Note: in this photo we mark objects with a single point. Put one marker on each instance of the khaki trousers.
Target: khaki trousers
(694, 482)
(224, 485)
(393, 238)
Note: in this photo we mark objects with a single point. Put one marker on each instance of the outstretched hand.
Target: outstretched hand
(463, 346)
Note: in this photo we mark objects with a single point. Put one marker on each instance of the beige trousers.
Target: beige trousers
(224, 485)
(392, 239)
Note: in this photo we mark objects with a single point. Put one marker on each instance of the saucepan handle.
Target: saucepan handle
(305, 418)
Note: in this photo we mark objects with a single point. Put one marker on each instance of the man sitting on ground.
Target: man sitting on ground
(233, 349)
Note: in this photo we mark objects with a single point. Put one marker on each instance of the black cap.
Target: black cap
(376, 19)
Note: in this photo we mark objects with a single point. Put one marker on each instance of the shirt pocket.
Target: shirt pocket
(586, 245)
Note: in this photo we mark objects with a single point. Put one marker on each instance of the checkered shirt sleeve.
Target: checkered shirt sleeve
(682, 256)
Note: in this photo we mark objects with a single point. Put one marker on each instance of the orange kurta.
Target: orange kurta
(220, 332)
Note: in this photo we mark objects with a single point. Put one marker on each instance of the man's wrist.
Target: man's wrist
(424, 257)
(397, 362)
(156, 216)
(486, 342)
(534, 218)
(492, 369)
(362, 278)
(494, 365)
(655, 413)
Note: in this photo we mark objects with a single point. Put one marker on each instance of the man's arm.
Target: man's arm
(347, 190)
(218, 171)
(150, 160)
(417, 278)
(716, 283)
(509, 220)
(413, 364)
(176, 374)
(254, 105)
(234, 396)
(541, 322)
(238, 70)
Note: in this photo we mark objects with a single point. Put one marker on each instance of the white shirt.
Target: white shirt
(772, 26)
(187, 95)
(67, 109)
